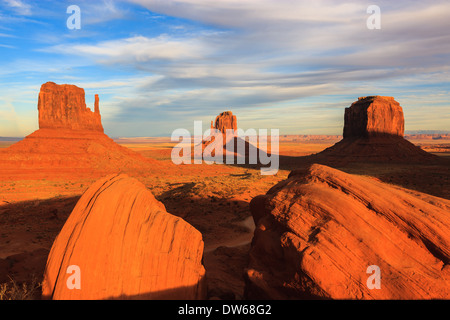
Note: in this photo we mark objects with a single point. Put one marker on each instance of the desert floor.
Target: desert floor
(213, 198)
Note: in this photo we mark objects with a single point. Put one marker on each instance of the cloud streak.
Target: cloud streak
(19, 7)
(282, 59)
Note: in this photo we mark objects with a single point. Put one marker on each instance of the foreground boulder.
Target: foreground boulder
(319, 231)
(123, 244)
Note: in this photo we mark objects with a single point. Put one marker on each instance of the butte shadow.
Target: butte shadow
(373, 133)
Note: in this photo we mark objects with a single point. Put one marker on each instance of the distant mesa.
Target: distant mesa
(125, 246)
(235, 148)
(64, 107)
(373, 131)
(318, 232)
(70, 141)
(225, 121)
(374, 116)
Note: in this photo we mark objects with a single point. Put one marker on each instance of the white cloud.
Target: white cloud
(19, 6)
(7, 46)
(260, 55)
(94, 12)
(254, 13)
(135, 49)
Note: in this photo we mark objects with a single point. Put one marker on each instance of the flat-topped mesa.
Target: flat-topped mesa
(64, 107)
(225, 120)
(374, 116)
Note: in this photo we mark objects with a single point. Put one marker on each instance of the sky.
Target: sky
(160, 65)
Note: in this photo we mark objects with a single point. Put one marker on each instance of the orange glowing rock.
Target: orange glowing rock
(318, 232)
(225, 120)
(374, 116)
(64, 107)
(70, 141)
(373, 132)
(125, 246)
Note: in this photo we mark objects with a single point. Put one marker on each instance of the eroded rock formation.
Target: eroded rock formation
(318, 231)
(70, 141)
(220, 135)
(374, 116)
(126, 247)
(373, 132)
(64, 107)
(225, 120)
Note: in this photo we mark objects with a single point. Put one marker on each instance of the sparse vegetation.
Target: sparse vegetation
(13, 290)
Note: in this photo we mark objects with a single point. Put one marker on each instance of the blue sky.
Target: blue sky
(282, 64)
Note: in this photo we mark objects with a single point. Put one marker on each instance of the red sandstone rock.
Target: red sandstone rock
(225, 120)
(127, 247)
(318, 231)
(374, 116)
(373, 132)
(70, 141)
(64, 107)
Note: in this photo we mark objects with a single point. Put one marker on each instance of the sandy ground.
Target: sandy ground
(213, 198)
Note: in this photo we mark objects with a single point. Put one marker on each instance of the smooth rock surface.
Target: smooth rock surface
(318, 231)
(127, 247)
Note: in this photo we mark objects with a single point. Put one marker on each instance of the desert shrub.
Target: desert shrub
(24, 291)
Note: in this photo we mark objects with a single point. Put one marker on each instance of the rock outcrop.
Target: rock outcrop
(318, 232)
(64, 107)
(227, 145)
(374, 116)
(225, 120)
(373, 132)
(219, 137)
(70, 142)
(126, 246)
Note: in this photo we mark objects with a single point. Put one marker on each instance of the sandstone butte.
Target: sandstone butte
(70, 140)
(64, 107)
(318, 231)
(374, 116)
(231, 143)
(225, 120)
(126, 247)
(373, 131)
